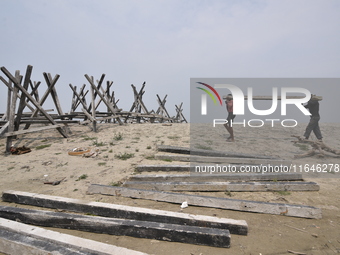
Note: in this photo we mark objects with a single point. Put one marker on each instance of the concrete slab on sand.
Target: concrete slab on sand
(19, 238)
(121, 227)
(127, 212)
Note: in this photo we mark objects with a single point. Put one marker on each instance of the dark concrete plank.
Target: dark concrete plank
(19, 238)
(122, 227)
(224, 160)
(164, 168)
(126, 212)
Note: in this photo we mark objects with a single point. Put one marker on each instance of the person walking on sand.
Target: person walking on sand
(231, 117)
(313, 125)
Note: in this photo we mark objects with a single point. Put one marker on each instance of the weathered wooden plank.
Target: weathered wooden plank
(211, 153)
(31, 130)
(89, 116)
(107, 95)
(138, 98)
(54, 116)
(22, 101)
(10, 87)
(127, 212)
(97, 119)
(35, 91)
(28, 114)
(49, 80)
(225, 160)
(165, 168)
(224, 186)
(203, 169)
(83, 95)
(3, 117)
(95, 93)
(11, 116)
(19, 238)
(145, 115)
(161, 104)
(74, 101)
(79, 97)
(44, 97)
(94, 123)
(214, 202)
(4, 128)
(113, 111)
(161, 109)
(40, 121)
(135, 103)
(112, 99)
(9, 100)
(238, 168)
(217, 177)
(131, 114)
(122, 227)
(179, 116)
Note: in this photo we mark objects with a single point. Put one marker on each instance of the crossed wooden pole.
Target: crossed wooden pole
(14, 120)
(21, 88)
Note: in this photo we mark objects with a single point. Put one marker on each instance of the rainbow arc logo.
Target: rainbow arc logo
(209, 93)
(204, 97)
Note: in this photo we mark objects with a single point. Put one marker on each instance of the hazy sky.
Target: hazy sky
(165, 43)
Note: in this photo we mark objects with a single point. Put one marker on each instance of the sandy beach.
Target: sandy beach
(122, 147)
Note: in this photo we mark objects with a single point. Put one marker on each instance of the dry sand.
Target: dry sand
(268, 234)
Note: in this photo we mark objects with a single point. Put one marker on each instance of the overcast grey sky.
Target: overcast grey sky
(165, 43)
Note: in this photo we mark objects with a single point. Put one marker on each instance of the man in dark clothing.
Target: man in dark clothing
(230, 118)
(313, 125)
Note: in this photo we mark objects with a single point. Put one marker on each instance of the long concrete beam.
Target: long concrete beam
(216, 177)
(163, 168)
(225, 160)
(122, 227)
(229, 169)
(19, 238)
(211, 153)
(213, 202)
(127, 212)
(224, 186)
